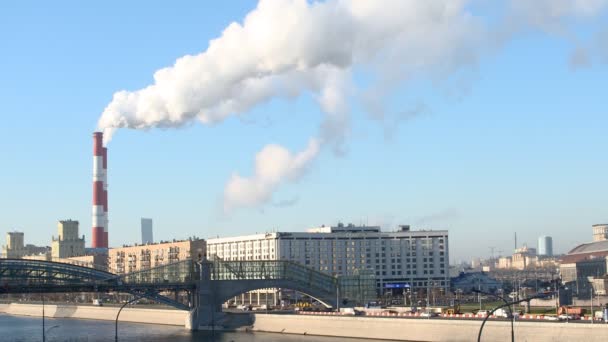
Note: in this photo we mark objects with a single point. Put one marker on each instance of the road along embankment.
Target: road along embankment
(104, 313)
(427, 329)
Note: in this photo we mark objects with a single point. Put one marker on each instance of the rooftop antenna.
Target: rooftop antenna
(516, 240)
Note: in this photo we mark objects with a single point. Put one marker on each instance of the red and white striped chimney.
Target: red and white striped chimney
(100, 193)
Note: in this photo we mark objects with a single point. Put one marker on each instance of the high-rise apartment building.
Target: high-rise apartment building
(14, 247)
(545, 246)
(67, 244)
(128, 259)
(146, 231)
(403, 258)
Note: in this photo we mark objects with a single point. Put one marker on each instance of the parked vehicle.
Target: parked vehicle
(97, 302)
(348, 311)
(502, 313)
(454, 307)
(262, 307)
(571, 311)
(428, 314)
(373, 305)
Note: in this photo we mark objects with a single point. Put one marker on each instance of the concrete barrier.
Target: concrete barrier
(427, 329)
(135, 315)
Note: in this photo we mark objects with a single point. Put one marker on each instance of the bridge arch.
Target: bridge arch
(227, 289)
(19, 272)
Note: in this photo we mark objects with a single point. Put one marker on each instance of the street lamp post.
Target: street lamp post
(118, 314)
(479, 291)
(502, 306)
(43, 329)
(592, 315)
(508, 305)
(337, 295)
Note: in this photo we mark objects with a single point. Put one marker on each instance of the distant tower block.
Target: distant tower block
(146, 231)
(100, 193)
(600, 232)
(545, 246)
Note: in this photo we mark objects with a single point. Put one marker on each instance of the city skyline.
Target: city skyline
(509, 141)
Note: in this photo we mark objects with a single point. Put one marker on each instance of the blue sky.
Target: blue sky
(519, 146)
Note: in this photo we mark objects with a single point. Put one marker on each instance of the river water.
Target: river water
(26, 329)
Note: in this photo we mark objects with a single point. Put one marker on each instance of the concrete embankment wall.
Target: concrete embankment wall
(428, 330)
(340, 326)
(135, 315)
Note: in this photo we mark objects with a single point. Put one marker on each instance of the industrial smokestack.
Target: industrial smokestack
(100, 194)
(105, 197)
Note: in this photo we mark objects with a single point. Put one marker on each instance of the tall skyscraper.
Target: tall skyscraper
(545, 246)
(146, 231)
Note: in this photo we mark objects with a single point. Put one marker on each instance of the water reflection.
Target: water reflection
(29, 329)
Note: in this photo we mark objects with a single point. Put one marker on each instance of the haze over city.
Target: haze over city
(482, 118)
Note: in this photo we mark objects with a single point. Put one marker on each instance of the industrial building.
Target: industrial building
(403, 258)
(67, 244)
(584, 263)
(545, 246)
(128, 259)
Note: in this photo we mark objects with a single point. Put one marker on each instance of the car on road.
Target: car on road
(566, 317)
(502, 313)
(429, 314)
(551, 318)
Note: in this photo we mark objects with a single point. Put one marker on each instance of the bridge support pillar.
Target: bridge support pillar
(192, 320)
(207, 312)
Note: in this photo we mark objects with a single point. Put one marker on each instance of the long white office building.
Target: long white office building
(403, 258)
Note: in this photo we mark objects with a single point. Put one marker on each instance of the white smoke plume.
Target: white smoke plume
(284, 48)
(274, 165)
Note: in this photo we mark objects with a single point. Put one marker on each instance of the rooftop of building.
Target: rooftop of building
(339, 230)
(161, 242)
(597, 246)
(600, 224)
(586, 251)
